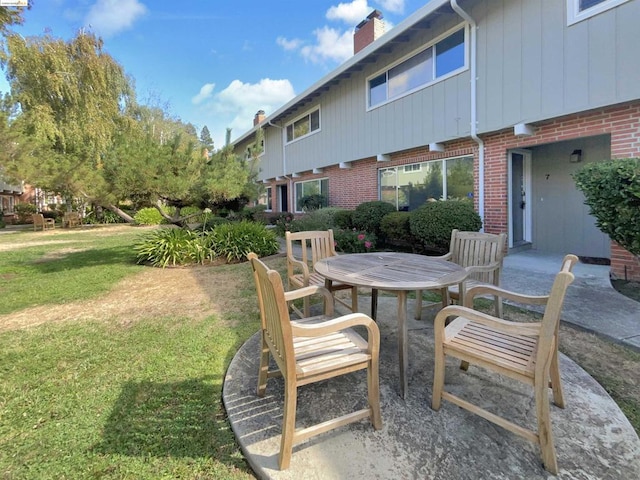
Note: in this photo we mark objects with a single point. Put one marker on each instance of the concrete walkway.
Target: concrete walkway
(594, 440)
(591, 302)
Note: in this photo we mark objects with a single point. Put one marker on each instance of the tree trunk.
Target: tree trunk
(177, 220)
(123, 215)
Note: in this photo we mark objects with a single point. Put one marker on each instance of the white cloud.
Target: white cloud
(287, 44)
(108, 17)
(393, 6)
(351, 13)
(331, 44)
(204, 93)
(236, 106)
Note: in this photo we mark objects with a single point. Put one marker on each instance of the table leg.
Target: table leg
(374, 303)
(403, 358)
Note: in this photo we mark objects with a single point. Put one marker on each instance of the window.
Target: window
(249, 153)
(311, 187)
(414, 167)
(303, 126)
(410, 186)
(437, 61)
(578, 10)
(265, 199)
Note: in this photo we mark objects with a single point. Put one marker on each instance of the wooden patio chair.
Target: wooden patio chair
(481, 254)
(314, 245)
(40, 222)
(527, 352)
(310, 350)
(71, 219)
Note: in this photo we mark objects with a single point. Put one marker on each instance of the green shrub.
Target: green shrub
(2, 222)
(612, 191)
(254, 214)
(433, 222)
(189, 210)
(235, 240)
(343, 219)
(24, 211)
(106, 217)
(313, 202)
(173, 246)
(368, 216)
(213, 222)
(321, 219)
(283, 222)
(353, 241)
(396, 228)
(148, 216)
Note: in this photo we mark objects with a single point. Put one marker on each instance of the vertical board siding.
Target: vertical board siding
(532, 66)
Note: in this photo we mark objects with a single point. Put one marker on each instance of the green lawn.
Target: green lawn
(105, 399)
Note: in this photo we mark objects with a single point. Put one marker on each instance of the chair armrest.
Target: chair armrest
(341, 323)
(312, 290)
(294, 263)
(484, 268)
(446, 256)
(506, 326)
(500, 292)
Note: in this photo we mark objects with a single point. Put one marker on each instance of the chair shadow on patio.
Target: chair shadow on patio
(593, 438)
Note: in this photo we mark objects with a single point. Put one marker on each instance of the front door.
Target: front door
(519, 192)
(283, 198)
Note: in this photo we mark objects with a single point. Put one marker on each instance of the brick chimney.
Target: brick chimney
(258, 118)
(368, 30)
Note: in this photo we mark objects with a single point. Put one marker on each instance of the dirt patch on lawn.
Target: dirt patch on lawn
(171, 292)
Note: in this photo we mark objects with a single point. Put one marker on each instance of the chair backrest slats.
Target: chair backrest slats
(315, 245)
(472, 249)
(551, 318)
(274, 315)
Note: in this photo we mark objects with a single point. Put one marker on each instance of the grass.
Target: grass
(63, 267)
(142, 400)
(100, 399)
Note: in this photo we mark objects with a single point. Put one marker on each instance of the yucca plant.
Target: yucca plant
(234, 241)
(171, 246)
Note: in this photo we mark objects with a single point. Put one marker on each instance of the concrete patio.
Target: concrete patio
(594, 440)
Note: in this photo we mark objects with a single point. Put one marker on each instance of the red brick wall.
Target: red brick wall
(350, 187)
(621, 122)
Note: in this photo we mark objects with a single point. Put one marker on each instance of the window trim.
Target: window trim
(311, 132)
(295, 191)
(413, 53)
(574, 15)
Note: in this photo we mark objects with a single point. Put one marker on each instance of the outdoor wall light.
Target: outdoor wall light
(576, 156)
(523, 130)
(383, 157)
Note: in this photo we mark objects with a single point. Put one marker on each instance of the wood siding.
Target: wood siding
(532, 66)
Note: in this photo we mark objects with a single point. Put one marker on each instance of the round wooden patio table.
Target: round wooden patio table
(398, 272)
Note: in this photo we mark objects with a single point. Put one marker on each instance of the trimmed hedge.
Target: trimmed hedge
(433, 222)
(612, 191)
(368, 216)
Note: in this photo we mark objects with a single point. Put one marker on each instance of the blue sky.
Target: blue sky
(216, 62)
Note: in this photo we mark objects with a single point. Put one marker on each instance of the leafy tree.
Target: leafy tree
(70, 98)
(612, 192)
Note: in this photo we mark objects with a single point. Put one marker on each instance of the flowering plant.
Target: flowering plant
(354, 241)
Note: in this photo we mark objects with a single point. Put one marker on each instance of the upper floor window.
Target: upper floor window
(251, 152)
(439, 60)
(304, 125)
(578, 10)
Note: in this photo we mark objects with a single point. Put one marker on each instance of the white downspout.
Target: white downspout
(474, 104)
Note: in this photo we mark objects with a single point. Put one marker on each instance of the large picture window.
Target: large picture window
(311, 187)
(410, 186)
(433, 63)
(303, 126)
